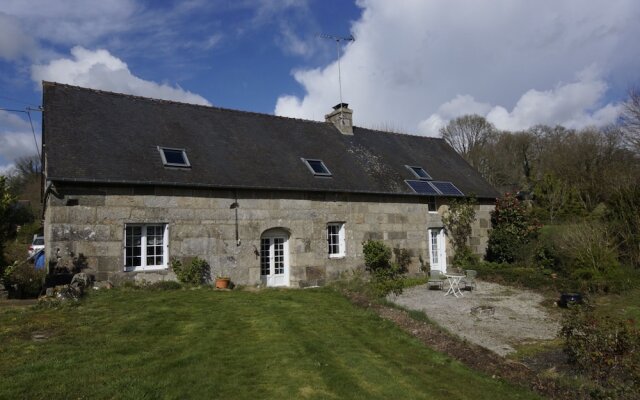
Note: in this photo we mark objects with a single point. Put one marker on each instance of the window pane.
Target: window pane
(420, 172)
(264, 257)
(152, 255)
(174, 156)
(133, 239)
(278, 255)
(333, 238)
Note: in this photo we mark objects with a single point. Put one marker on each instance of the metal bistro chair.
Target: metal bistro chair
(435, 279)
(470, 279)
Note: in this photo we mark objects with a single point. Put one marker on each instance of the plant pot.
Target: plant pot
(222, 283)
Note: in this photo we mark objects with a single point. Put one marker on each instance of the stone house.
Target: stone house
(132, 182)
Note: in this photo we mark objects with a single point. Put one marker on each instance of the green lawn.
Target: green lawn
(274, 344)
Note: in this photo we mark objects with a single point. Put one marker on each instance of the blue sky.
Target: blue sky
(414, 65)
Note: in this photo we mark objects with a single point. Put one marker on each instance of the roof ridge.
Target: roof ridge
(232, 110)
(399, 133)
(178, 103)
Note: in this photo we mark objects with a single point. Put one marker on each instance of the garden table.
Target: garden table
(454, 284)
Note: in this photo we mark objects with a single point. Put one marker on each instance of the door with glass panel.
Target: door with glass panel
(274, 259)
(437, 250)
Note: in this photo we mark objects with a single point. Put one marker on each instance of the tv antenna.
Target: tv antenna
(339, 39)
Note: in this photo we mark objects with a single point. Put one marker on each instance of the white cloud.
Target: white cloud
(14, 145)
(573, 105)
(6, 169)
(100, 70)
(11, 121)
(420, 63)
(71, 21)
(16, 139)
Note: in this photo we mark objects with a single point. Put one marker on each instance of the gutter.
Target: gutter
(231, 187)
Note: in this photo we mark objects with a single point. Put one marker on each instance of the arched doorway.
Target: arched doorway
(274, 257)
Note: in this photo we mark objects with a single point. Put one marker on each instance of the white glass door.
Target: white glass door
(274, 260)
(437, 250)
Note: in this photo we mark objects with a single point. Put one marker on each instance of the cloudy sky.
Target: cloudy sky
(415, 64)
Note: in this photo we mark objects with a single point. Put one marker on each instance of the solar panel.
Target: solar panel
(447, 188)
(422, 187)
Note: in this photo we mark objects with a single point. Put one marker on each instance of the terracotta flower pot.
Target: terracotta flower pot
(222, 283)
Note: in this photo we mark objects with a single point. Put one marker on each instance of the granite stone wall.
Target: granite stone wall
(84, 226)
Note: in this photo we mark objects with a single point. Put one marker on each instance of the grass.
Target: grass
(624, 306)
(273, 344)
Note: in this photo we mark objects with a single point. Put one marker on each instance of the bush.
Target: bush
(195, 273)
(464, 258)
(23, 279)
(386, 276)
(623, 216)
(590, 258)
(604, 348)
(533, 278)
(513, 227)
(164, 285)
(377, 255)
(503, 246)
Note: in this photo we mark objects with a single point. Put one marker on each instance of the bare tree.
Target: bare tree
(631, 119)
(28, 165)
(468, 135)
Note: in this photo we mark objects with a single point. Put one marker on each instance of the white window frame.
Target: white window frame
(161, 149)
(340, 237)
(143, 248)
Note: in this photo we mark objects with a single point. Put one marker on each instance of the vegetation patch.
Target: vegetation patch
(272, 344)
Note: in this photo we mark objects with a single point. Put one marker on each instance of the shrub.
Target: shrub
(503, 246)
(591, 259)
(464, 258)
(195, 273)
(386, 276)
(606, 349)
(164, 285)
(23, 279)
(513, 227)
(377, 255)
(533, 278)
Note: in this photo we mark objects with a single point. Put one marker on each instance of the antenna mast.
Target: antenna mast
(339, 39)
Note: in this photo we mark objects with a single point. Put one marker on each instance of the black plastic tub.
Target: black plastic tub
(567, 299)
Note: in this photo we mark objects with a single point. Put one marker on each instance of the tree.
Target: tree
(555, 197)
(469, 135)
(7, 207)
(631, 119)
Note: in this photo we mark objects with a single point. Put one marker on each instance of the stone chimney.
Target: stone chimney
(342, 118)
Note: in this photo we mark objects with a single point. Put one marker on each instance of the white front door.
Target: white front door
(437, 250)
(274, 260)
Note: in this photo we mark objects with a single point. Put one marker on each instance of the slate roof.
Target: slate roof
(97, 136)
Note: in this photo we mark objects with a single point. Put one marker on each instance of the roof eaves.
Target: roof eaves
(218, 186)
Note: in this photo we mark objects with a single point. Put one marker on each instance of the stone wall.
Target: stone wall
(85, 225)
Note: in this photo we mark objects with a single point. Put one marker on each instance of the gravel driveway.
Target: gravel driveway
(493, 316)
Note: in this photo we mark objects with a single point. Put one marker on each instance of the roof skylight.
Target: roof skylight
(174, 157)
(317, 167)
(419, 172)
